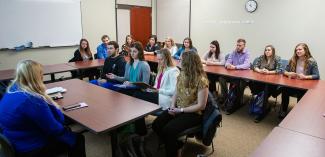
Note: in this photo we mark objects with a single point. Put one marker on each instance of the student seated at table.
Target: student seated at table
(137, 70)
(114, 64)
(170, 45)
(267, 64)
(237, 60)
(211, 58)
(302, 66)
(102, 48)
(32, 121)
(126, 46)
(152, 47)
(83, 53)
(187, 104)
(165, 82)
(187, 46)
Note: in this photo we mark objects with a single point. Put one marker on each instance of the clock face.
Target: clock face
(251, 6)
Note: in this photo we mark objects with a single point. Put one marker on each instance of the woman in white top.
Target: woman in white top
(170, 45)
(166, 78)
(213, 57)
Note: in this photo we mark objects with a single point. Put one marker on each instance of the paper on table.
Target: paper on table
(55, 90)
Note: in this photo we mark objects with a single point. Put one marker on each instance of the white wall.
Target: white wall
(123, 25)
(277, 22)
(98, 18)
(173, 19)
(145, 3)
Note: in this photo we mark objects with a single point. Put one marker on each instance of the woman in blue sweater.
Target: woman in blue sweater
(187, 46)
(32, 121)
(137, 70)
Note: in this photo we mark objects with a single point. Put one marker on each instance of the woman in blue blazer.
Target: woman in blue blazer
(32, 121)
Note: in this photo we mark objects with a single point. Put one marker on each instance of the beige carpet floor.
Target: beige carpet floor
(239, 135)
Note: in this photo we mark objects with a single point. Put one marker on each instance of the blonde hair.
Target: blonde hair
(171, 40)
(168, 62)
(29, 79)
(192, 68)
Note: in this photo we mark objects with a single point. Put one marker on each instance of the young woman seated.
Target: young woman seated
(187, 104)
(83, 53)
(301, 66)
(152, 46)
(32, 121)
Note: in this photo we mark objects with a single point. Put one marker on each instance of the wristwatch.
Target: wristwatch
(182, 110)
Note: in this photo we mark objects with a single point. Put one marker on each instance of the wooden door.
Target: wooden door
(140, 23)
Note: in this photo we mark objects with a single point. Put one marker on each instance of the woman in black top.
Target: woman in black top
(152, 46)
(83, 53)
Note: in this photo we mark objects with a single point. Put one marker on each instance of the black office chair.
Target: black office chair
(206, 131)
(6, 149)
(95, 56)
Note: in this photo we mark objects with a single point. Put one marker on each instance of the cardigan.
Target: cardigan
(312, 69)
(28, 121)
(167, 87)
(143, 72)
(77, 56)
(180, 51)
(274, 65)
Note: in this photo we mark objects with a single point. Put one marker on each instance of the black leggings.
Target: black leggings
(168, 127)
(55, 148)
(286, 93)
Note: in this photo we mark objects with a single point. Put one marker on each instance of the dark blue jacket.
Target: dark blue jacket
(28, 121)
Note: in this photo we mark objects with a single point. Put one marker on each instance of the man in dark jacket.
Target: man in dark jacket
(114, 64)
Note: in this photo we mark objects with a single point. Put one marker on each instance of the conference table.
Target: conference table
(308, 114)
(287, 143)
(96, 63)
(52, 69)
(107, 110)
(302, 131)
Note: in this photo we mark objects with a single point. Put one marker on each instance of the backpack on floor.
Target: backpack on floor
(231, 99)
(256, 104)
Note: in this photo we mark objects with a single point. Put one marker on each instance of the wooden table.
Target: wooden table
(57, 68)
(9, 74)
(106, 111)
(307, 116)
(286, 143)
(87, 64)
(253, 76)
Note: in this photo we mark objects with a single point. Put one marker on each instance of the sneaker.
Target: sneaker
(257, 119)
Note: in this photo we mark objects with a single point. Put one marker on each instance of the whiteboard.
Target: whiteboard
(173, 19)
(42, 22)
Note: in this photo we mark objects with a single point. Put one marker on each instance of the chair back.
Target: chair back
(284, 64)
(95, 56)
(6, 149)
(254, 62)
(211, 120)
(227, 56)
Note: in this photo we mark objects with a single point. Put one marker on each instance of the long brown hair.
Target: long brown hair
(192, 68)
(87, 50)
(126, 40)
(190, 41)
(273, 52)
(293, 60)
(137, 45)
(168, 62)
(29, 79)
(217, 53)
